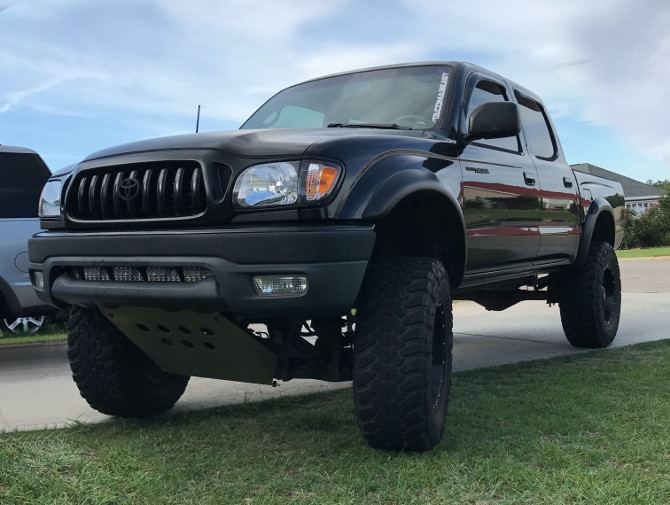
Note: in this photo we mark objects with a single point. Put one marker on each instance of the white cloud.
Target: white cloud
(16, 97)
(177, 55)
(601, 61)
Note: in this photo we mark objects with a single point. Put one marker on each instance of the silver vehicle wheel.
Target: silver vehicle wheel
(22, 325)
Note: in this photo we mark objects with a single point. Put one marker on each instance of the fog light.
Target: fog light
(280, 285)
(38, 280)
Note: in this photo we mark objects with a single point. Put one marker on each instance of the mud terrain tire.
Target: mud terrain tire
(402, 354)
(112, 374)
(590, 302)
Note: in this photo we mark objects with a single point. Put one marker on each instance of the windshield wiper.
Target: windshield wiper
(391, 126)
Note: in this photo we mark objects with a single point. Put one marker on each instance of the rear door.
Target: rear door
(560, 211)
(500, 192)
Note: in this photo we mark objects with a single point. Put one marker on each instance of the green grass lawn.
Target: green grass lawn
(644, 253)
(592, 428)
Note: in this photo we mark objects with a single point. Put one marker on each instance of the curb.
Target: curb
(32, 344)
(646, 258)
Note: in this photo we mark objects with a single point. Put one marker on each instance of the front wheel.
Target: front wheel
(590, 300)
(402, 354)
(113, 375)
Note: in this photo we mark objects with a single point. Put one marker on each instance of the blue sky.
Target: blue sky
(80, 75)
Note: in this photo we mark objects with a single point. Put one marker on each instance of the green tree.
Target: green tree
(653, 228)
(649, 229)
(665, 185)
(630, 230)
(664, 206)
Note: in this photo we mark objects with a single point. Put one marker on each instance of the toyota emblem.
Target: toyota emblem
(128, 189)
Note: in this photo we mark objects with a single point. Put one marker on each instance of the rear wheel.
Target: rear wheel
(402, 354)
(590, 301)
(113, 375)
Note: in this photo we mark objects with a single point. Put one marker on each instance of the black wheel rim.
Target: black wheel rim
(609, 293)
(439, 361)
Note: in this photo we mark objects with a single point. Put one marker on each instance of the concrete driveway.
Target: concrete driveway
(37, 391)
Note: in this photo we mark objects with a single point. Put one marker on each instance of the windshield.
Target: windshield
(406, 97)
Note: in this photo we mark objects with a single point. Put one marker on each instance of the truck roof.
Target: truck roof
(457, 65)
(16, 150)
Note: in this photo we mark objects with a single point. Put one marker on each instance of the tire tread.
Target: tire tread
(112, 374)
(393, 354)
(580, 302)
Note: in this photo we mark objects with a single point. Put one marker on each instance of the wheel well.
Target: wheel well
(423, 224)
(604, 229)
(5, 307)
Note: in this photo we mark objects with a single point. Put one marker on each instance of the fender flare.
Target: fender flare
(403, 184)
(9, 304)
(382, 186)
(598, 207)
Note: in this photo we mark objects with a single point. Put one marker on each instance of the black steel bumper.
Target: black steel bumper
(333, 258)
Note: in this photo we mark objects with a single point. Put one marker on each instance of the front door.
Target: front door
(501, 203)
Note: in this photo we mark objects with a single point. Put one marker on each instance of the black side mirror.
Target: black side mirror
(493, 120)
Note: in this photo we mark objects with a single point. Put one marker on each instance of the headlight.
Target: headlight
(266, 185)
(285, 183)
(50, 199)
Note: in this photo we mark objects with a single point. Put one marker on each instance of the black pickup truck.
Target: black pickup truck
(326, 239)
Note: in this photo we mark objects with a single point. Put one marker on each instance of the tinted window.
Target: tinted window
(536, 128)
(22, 177)
(484, 92)
(292, 116)
(411, 97)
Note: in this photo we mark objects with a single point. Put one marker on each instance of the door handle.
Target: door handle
(567, 182)
(529, 178)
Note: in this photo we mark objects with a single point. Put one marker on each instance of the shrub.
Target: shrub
(630, 230)
(650, 229)
(653, 228)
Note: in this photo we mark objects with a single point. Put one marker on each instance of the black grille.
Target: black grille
(140, 191)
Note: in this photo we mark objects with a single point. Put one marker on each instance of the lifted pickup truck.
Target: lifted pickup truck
(325, 239)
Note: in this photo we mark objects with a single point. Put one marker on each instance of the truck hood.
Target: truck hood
(266, 143)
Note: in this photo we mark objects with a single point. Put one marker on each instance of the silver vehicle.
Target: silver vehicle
(22, 175)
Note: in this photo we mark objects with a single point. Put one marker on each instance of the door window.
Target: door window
(484, 92)
(536, 128)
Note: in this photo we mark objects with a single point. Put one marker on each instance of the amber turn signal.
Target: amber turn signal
(320, 180)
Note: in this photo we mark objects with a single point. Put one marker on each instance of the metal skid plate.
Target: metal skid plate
(191, 343)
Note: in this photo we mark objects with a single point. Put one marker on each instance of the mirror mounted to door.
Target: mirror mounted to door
(493, 120)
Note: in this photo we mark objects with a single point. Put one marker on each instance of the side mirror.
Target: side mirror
(493, 120)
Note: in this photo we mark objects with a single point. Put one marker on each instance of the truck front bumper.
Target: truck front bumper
(333, 258)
